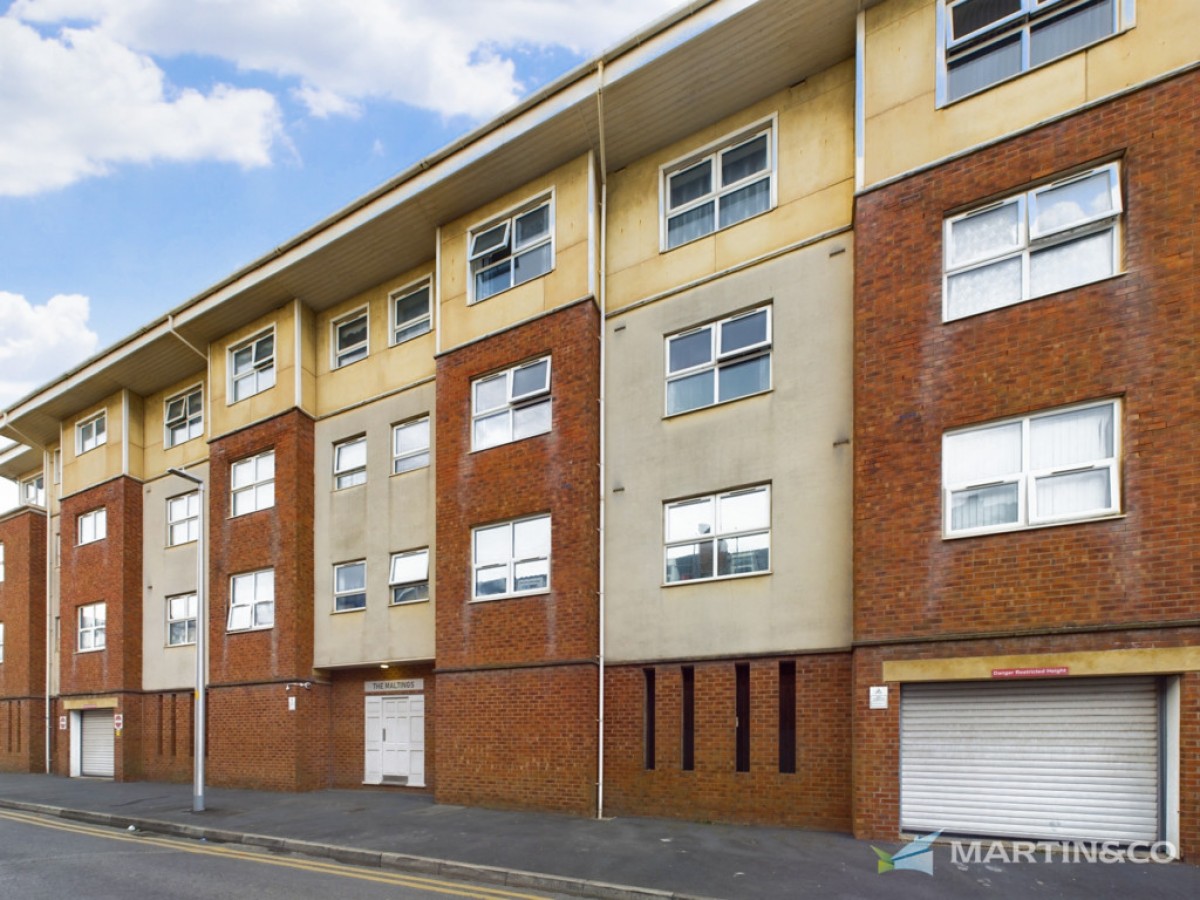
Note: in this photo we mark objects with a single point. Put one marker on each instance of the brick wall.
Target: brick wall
(280, 538)
(877, 732)
(348, 748)
(23, 671)
(520, 737)
(108, 571)
(1132, 336)
(816, 795)
(168, 742)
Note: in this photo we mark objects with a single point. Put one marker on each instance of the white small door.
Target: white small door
(98, 744)
(395, 740)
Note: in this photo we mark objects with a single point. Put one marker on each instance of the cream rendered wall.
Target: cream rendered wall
(166, 571)
(566, 282)
(224, 417)
(99, 465)
(791, 437)
(159, 458)
(815, 191)
(388, 514)
(386, 367)
(904, 130)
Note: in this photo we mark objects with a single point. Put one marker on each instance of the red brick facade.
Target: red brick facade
(815, 795)
(23, 614)
(254, 739)
(488, 702)
(1132, 337)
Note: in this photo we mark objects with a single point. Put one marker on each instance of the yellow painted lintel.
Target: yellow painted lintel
(1142, 661)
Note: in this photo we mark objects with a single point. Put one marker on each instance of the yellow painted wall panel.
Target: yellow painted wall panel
(815, 146)
(159, 458)
(1167, 37)
(567, 282)
(228, 417)
(98, 465)
(136, 438)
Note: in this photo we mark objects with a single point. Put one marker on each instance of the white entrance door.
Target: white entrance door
(395, 740)
(98, 756)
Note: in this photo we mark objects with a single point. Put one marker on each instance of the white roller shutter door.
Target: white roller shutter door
(1069, 759)
(97, 742)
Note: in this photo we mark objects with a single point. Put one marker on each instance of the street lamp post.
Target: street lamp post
(201, 644)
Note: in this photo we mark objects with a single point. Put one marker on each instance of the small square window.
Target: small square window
(719, 362)
(91, 627)
(91, 433)
(350, 339)
(252, 601)
(93, 526)
(512, 558)
(350, 463)
(727, 185)
(184, 417)
(183, 519)
(512, 251)
(411, 316)
(181, 620)
(252, 366)
(409, 580)
(410, 445)
(253, 483)
(350, 586)
(511, 405)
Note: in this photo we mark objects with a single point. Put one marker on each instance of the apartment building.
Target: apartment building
(645, 451)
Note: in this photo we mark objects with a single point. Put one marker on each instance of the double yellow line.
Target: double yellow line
(226, 851)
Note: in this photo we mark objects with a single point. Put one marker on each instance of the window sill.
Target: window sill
(342, 612)
(93, 650)
(184, 543)
(696, 409)
(663, 248)
(248, 630)
(718, 578)
(179, 646)
(414, 602)
(490, 598)
(1040, 526)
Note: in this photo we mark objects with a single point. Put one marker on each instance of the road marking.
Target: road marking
(227, 851)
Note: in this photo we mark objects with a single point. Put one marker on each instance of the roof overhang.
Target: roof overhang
(695, 66)
(18, 460)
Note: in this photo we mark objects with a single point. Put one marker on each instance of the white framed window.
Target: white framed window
(1, 642)
(91, 433)
(181, 620)
(511, 251)
(718, 536)
(1057, 236)
(253, 483)
(410, 445)
(252, 601)
(183, 418)
(252, 366)
(411, 309)
(726, 183)
(350, 463)
(183, 519)
(511, 559)
(1043, 469)
(984, 42)
(409, 578)
(511, 405)
(92, 526)
(350, 586)
(33, 491)
(718, 362)
(351, 337)
(91, 627)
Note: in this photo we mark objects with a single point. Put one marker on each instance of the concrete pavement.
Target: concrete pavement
(614, 858)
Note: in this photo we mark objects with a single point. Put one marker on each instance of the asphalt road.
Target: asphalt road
(51, 859)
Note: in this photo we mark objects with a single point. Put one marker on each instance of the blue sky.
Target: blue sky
(151, 147)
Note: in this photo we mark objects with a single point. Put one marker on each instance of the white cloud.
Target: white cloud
(74, 105)
(38, 343)
(448, 56)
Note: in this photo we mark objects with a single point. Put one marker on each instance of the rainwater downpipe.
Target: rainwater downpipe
(603, 266)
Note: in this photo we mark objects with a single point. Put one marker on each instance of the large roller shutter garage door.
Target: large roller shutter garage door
(1075, 759)
(97, 742)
